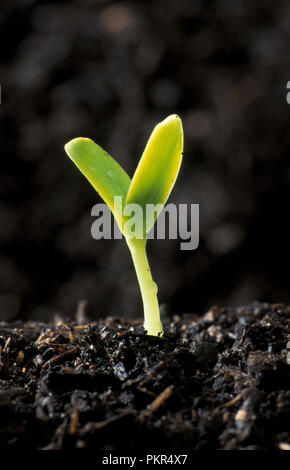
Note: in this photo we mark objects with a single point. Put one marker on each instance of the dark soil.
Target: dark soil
(220, 381)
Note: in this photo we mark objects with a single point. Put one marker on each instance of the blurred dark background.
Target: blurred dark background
(110, 71)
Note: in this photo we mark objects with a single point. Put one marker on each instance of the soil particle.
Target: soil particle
(220, 381)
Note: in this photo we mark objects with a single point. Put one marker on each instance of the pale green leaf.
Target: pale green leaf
(158, 168)
(102, 171)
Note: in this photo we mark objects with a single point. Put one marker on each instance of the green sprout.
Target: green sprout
(150, 187)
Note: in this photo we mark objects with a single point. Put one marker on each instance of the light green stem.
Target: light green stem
(152, 322)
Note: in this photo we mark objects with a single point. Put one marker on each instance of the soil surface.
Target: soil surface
(220, 381)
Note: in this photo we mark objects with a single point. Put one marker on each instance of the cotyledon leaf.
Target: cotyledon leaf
(102, 171)
(158, 168)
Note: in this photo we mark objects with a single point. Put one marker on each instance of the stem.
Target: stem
(148, 288)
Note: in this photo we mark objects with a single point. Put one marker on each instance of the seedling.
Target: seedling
(150, 187)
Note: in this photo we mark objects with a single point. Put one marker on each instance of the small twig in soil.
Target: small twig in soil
(60, 358)
(159, 401)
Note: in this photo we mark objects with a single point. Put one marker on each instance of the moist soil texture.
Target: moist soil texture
(217, 381)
